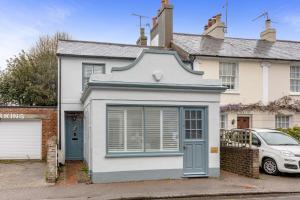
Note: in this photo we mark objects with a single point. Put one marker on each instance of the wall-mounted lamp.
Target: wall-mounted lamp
(232, 121)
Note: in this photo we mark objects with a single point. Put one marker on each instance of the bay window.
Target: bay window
(142, 129)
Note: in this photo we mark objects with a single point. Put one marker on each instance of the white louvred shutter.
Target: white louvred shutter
(115, 129)
(152, 128)
(135, 126)
(170, 129)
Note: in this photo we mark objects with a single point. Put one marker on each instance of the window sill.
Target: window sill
(128, 155)
(295, 93)
(232, 92)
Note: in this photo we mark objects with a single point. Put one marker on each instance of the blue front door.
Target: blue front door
(195, 142)
(74, 136)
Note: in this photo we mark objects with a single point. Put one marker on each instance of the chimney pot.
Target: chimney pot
(270, 33)
(210, 22)
(215, 27)
(142, 41)
(268, 24)
(165, 2)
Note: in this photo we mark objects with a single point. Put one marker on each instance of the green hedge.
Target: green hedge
(294, 132)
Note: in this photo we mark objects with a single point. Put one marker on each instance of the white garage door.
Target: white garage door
(20, 139)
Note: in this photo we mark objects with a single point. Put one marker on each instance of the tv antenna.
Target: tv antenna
(264, 14)
(226, 15)
(141, 17)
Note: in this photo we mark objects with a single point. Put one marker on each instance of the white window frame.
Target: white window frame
(102, 65)
(295, 77)
(223, 120)
(144, 149)
(283, 121)
(235, 76)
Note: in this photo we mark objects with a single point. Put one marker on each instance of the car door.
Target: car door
(257, 144)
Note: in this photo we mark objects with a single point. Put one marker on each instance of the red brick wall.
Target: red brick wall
(242, 161)
(49, 121)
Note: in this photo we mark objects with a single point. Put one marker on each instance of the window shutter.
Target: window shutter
(135, 126)
(115, 129)
(170, 129)
(152, 128)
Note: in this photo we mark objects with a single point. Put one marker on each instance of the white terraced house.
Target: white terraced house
(262, 75)
(138, 112)
(133, 112)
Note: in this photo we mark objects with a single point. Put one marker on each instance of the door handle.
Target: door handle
(183, 147)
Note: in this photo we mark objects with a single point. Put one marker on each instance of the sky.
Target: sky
(23, 21)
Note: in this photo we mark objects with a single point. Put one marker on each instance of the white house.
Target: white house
(262, 75)
(136, 113)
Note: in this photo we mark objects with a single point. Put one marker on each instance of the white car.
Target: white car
(278, 152)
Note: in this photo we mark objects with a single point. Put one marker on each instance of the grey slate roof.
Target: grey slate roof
(237, 47)
(98, 49)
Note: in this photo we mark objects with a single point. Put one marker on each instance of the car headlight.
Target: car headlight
(287, 153)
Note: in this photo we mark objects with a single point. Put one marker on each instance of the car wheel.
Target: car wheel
(270, 166)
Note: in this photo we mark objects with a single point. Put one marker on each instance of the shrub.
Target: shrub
(294, 132)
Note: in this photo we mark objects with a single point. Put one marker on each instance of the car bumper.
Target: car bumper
(289, 165)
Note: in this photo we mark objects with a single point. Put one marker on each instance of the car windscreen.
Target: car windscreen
(277, 138)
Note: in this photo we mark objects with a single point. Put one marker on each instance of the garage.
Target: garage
(21, 139)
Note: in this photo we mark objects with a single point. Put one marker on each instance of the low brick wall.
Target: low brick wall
(48, 115)
(52, 160)
(242, 161)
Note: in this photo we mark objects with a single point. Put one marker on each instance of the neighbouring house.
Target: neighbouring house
(262, 75)
(136, 113)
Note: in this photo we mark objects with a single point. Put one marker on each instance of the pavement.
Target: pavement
(227, 184)
(246, 197)
(22, 174)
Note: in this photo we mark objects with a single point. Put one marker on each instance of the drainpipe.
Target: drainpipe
(191, 60)
(59, 103)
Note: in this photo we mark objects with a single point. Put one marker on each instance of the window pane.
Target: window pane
(199, 124)
(193, 114)
(187, 124)
(282, 121)
(223, 121)
(115, 129)
(193, 124)
(135, 126)
(187, 114)
(98, 69)
(187, 134)
(228, 75)
(152, 126)
(89, 69)
(170, 129)
(295, 78)
(199, 134)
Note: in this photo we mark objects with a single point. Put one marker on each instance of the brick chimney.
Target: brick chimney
(162, 26)
(215, 27)
(142, 41)
(269, 34)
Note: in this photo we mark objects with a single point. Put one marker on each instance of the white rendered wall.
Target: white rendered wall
(71, 86)
(102, 98)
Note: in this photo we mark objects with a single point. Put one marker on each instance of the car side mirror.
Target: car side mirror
(256, 143)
